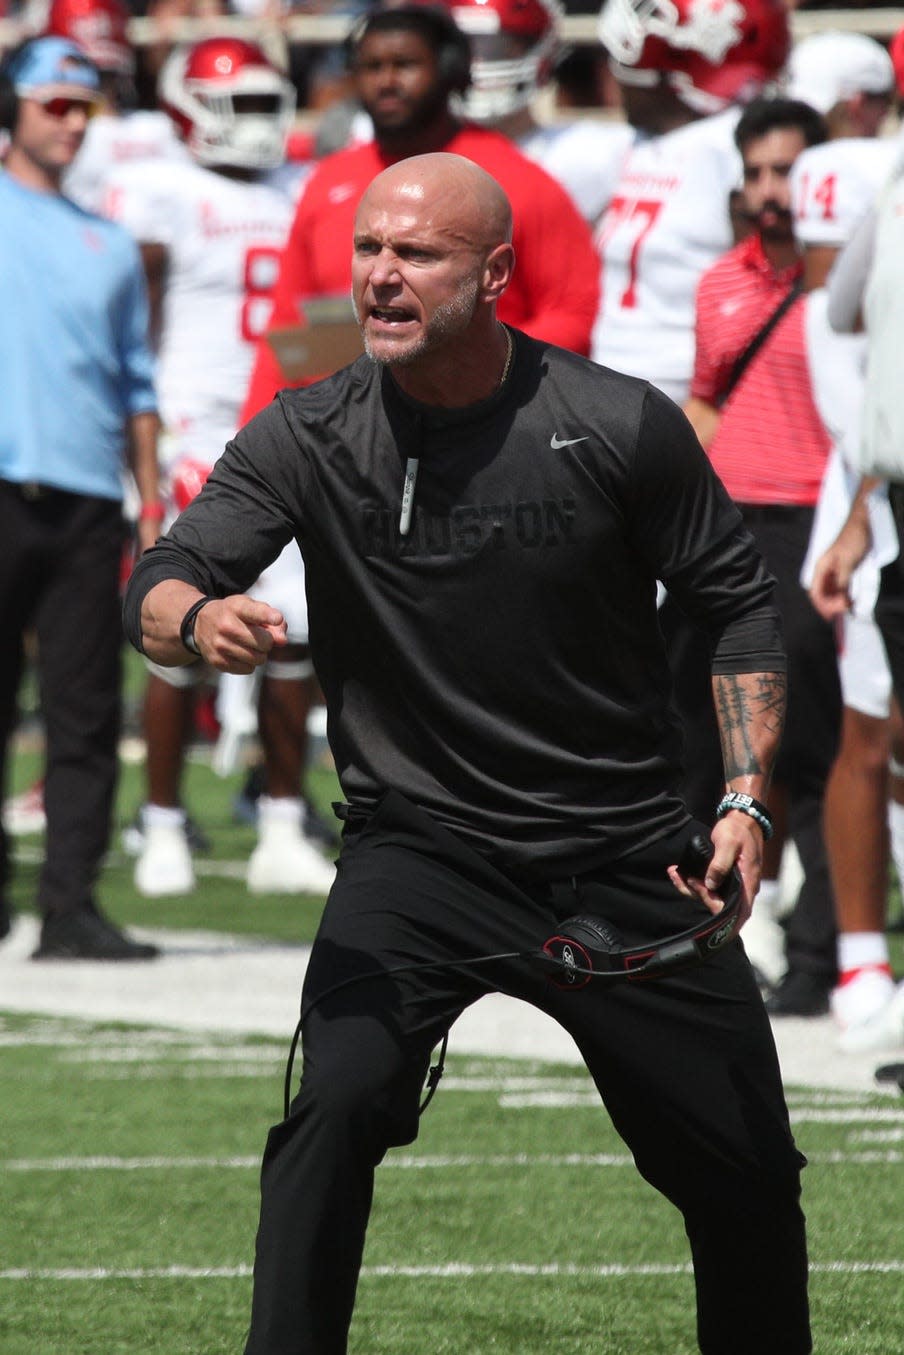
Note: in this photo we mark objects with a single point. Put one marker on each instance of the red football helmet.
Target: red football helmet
(513, 45)
(229, 101)
(99, 27)
(712, 52)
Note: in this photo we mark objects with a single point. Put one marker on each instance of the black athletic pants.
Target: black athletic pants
(890, 603)
(812, 727)
(59, 574)
(686, 1067)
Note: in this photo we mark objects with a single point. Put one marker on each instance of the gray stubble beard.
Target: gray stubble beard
(449, 319)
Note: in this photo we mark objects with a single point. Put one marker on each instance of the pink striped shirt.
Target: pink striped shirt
(771, 445)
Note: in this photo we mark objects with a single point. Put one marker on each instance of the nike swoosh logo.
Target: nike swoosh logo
(556, 442)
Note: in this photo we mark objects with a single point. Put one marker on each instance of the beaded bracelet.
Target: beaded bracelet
(736, 799)
(187, 629)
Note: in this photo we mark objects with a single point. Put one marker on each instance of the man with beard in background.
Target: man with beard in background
(766, 440)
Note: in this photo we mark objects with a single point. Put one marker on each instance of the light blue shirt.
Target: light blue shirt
(74, 357)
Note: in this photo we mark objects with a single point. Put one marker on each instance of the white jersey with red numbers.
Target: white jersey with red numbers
(832, 185)
(112, 141)
(668, 221)
(223, 238)
(586, 156)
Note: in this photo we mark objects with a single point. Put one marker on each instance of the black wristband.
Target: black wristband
(187, 629)
(746, 804)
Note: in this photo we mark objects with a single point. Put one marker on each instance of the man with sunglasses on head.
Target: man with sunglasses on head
(78, 396)
(121, 133)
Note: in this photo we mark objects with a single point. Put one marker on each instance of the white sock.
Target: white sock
(164, 816)
(861, 950)
(284, 809)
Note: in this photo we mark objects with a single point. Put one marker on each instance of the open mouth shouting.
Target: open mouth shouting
(386, 319)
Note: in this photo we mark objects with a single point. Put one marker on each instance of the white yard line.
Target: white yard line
(227, 985)
(455, 1270)
(128, 1164)
(436, 1162)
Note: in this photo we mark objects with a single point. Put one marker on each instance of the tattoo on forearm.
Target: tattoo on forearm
(751, 709)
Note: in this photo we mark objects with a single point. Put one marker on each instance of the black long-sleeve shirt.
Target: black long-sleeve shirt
(502, 664)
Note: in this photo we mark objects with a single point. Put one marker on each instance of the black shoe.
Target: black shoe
(87, 935)
(6, 918)
(891, 1072)
(799, 994)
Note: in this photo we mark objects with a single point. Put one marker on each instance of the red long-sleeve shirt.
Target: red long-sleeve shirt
(553, 294)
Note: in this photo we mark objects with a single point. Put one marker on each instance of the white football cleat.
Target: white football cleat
(24, 813)
(164, 865)
(869, 1008)
(284, 860)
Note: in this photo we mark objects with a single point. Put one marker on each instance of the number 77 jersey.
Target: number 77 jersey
(667, 221)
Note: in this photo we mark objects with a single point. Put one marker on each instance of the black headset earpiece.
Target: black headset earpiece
(9, 99)
(9, 103)
(574, 947)
(454, 56)
(586, 946)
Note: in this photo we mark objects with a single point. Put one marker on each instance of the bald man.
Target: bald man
(483, 519)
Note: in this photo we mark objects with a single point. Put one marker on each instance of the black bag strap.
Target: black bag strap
(744, 359)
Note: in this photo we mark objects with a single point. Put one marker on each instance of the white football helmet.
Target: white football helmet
(711, 52)
(513, 46)
(229, 102)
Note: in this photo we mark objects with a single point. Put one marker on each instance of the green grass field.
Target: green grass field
(129, 1163)
(517, 1224)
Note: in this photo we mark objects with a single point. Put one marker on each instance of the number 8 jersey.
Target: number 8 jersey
(668, 220)
(223, 238)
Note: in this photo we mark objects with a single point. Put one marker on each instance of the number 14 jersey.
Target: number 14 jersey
(668, 220)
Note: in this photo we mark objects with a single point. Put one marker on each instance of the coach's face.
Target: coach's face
(416, 271)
